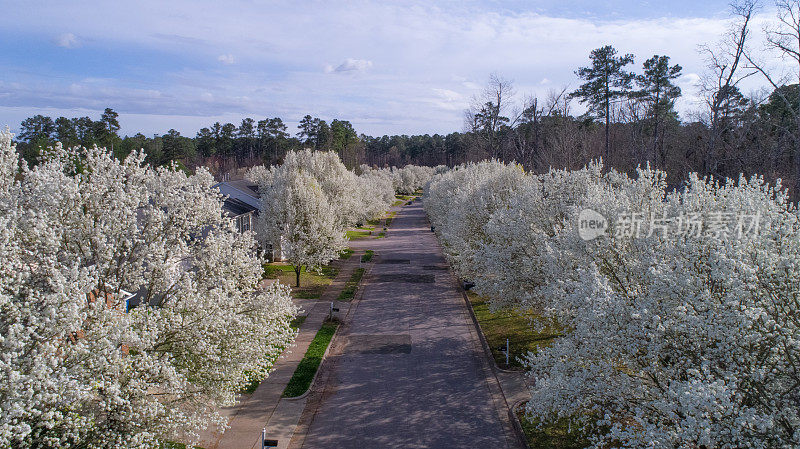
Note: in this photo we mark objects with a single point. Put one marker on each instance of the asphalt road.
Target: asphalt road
(411, 372)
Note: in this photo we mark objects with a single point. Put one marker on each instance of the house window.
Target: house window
(243, 222)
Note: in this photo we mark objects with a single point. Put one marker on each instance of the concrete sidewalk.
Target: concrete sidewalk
(266, 407)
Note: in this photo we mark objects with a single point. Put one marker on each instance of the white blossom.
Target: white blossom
(76, 369)
(669, 340)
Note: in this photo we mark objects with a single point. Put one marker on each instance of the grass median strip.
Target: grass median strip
(352, 285)
(355, 235)
(367, 256)
(345, 253)
(304, 374)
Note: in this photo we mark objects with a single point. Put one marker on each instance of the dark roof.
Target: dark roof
(234, 207)
(245, 186)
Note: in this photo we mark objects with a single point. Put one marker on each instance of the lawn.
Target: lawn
(355, 235)
(516, 326)
(312, 284)
(563, 434)
(351, 286)
(398, 203)
(304, 374)
(512, 324)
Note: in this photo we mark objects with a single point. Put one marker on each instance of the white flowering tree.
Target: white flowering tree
(410, 178)
(377, 191)
(296, 212)
(470, 195)
(670, 340)
(77, 369)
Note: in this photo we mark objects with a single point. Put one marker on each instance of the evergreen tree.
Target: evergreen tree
(605, 83)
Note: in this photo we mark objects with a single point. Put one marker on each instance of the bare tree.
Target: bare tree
(486, 117)
(783, 37)
(720, 87)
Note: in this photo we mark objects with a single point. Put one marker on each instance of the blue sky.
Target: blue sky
(388, 67)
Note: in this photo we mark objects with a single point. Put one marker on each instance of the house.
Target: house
(242, 190)
(241, 212)
(242, 203)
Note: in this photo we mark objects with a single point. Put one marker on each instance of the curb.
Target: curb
(314, 379)
(298, 440)
(487, 352)
(485, 343)
(512, 412)
(359, 292)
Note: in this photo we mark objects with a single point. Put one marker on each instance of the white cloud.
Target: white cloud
(227, 59)
(349, 65)
(471, 86)
(67, 40)
(448, 95)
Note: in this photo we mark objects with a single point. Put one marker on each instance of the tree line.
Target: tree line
(630, 121)
(220, 146)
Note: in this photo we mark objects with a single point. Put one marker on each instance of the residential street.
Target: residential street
(407, 369)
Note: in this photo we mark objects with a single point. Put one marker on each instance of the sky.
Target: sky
(402, 67)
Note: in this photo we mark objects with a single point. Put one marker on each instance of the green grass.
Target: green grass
(345, 253)
(174, 445)
(381, 235)
(516, 325)
(312, 284)
(404, 197)
(351, 286)
(374, 223)
(367, 256)
(298, 321)
(256, 381)
(398, 203)
(389, 219)
(355, 235)
(304, 374)
(564, 433)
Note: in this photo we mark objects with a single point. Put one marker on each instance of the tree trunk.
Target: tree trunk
(655, 143)
(608, 117)
(297, 270)
(797, 159)
(607, 161)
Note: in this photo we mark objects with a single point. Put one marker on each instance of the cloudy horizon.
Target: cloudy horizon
(388, 68)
